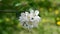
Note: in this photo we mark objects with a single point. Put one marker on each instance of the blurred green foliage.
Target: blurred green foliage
(49, 12)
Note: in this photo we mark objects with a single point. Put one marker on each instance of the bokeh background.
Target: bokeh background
(49, 13)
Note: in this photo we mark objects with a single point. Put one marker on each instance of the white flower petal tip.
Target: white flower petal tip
(36, 12)
(31, 19)
(26, 13)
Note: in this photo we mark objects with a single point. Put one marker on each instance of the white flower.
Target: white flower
(30, 20)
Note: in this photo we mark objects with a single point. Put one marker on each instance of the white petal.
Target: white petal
(22, 14)
(37, 19)
(36, 12)
(26, 13)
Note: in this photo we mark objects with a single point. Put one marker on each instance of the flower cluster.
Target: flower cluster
(30, 20)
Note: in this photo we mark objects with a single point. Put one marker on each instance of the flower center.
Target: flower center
(32, 18)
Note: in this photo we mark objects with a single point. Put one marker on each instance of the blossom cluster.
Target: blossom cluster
(30, 20)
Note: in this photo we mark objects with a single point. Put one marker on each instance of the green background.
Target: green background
(49, 13)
